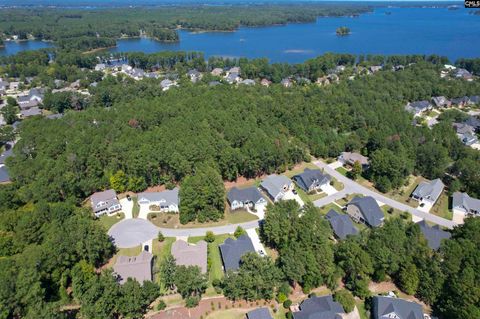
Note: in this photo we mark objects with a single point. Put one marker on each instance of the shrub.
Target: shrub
(192, 302)
(209, 237)
(160, 237)
(281, 297)
(345, 298)
(161, 305)
(239, 232)
(287, 303)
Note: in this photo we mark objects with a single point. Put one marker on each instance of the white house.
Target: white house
(105, 202)
(166, 201)
(245, 198)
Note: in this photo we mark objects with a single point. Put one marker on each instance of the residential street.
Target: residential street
(352, 187)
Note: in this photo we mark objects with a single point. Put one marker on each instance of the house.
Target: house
(312, 180)
(105, 202)
(461, 101)
(418, 107)
(327, 79)
(217, 72)
(265, 82)
(462, 74)
(349, 158)
(319, 307)
(475, 99)
(375, 68)
(434, 235)
(248, 82)
(166, 201)
(126, 68)
(166, 84)
(259, 313)
(232, 251)
(14, 86)
(233, 78)
(4, 176)
(428, 192)
(463, 203)
(100, 67)
(30, 112)
(441, 102)
(474, 122)
(342, 225)
(235, 69)
(245, 198)
(32, 99)
(286, 82)
(4, 85)
(466, 133)
(276, 186)
(365, 210)
(395, 308)
(194, 76)
(136, 267)
(186, 254)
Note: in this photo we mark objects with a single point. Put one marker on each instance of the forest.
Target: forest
(90, 29)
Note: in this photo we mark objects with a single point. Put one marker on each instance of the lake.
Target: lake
(13, 47)
(453, 33)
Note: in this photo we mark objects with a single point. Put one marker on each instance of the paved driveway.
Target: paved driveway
(328, 189)
(132, 232)
(127, 208)
(257, 244)
(291, 195)
(352, 187)
(144, 211)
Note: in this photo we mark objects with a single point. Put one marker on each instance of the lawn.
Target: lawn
(228, 314)
(136, 207)
(345, 200)
(441, 207)
(402, 194)
(160, 250)
(134, 251)
(361, 309)
(108, 221)
(342, 170)
(216, 267)
(239, 216)
(325, 209)
(169, 220)
(394, 213)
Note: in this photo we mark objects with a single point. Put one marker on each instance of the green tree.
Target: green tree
(119, 181)
(190, 281)
(209, 237)
(168, 268)
(239, 231)
(408, 279)
(345, 298)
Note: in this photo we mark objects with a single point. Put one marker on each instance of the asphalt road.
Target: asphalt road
(352, 187)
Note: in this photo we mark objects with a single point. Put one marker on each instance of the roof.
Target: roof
(465, 202)
(250, 194)
(6, 155)
(475, 99)
(31, 112)
(310, 177)
(193, 73)
(342, 224)
(460, 100)
(259, 313)
(319, 308)
(354, 157)
(4, 176)
(190, 255)
(274, 184)
(109, 197)
(370, 210)
(440, 100)
(420, 105)
(463, 128)
(433, 235)
(473, 122)
(137, 267)
(248, 82)
(430, 190)
(169, 197)
(233, 250)
(166, 83)
(403, 309)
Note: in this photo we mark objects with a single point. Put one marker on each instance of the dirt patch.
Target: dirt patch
(206, 307)
(156, 188)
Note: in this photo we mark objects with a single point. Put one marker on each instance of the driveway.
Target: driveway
(132, 232)
(425, 208)
(329, 189)
(260, 211)
(335, 164)
(127, 208)
(291, 195)
(352, 187)
(144, 211)
(257, 244)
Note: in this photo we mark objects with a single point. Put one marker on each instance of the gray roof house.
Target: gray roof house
(166, 84)
(259, 313)
(473, 122)
(319, 308)
(417, 107)
(428, 191)
(137, 267)
(233, 78)
(365, 210)
(4, 176)
(387, 307)
(434, 235)
(33, 111)
(465, 204)
(232, 251)
(440, 101)
(194, 75)
(276, 186)
(349, 158)
(6, 154)
(475, 99)
(167, 200)
(461, 101)
(190, 254)
(311, 179)
(245, 197)
(105, 202)
(462, 73)
(248, 82)
(342, 225)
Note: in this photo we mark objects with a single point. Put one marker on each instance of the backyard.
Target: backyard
(108, 221)
(441, 207)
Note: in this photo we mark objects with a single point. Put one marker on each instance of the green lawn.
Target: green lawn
(394, 213)
(108, 221)
(441, 207)
(239, 216)
(160, 250)
(216, 269)
(361, 309)
(403, 193)
(136, 207)
(342, 170)
(325, 209)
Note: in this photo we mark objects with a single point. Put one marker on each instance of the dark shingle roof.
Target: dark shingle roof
(6, 155)
(403, 309)
(4, 177)
(310, 177)
(250, 194)
(371, 212)
(433, 235)
(233, 250)
(260, 313)
(342, 225)
(319, 308)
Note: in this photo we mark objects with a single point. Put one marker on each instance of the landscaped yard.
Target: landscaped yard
(108, 221)
(402, 194)
(342, 170)
(167, 220)
(361, 309)
(392, 213)
(441, 208)
(228, 314)
(325, 209)
(160, 250)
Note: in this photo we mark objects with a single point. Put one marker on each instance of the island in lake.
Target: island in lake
(343, 31)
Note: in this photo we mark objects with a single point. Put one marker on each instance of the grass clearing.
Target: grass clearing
(342, 170)
(172, 220)
(402, 194)
(108, 221)
(390, 213)
(441, 207)
(136, 207)
(325, 209)
(361, 309)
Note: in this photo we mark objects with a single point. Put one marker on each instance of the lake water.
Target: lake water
(453, 33)
(13, 47)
